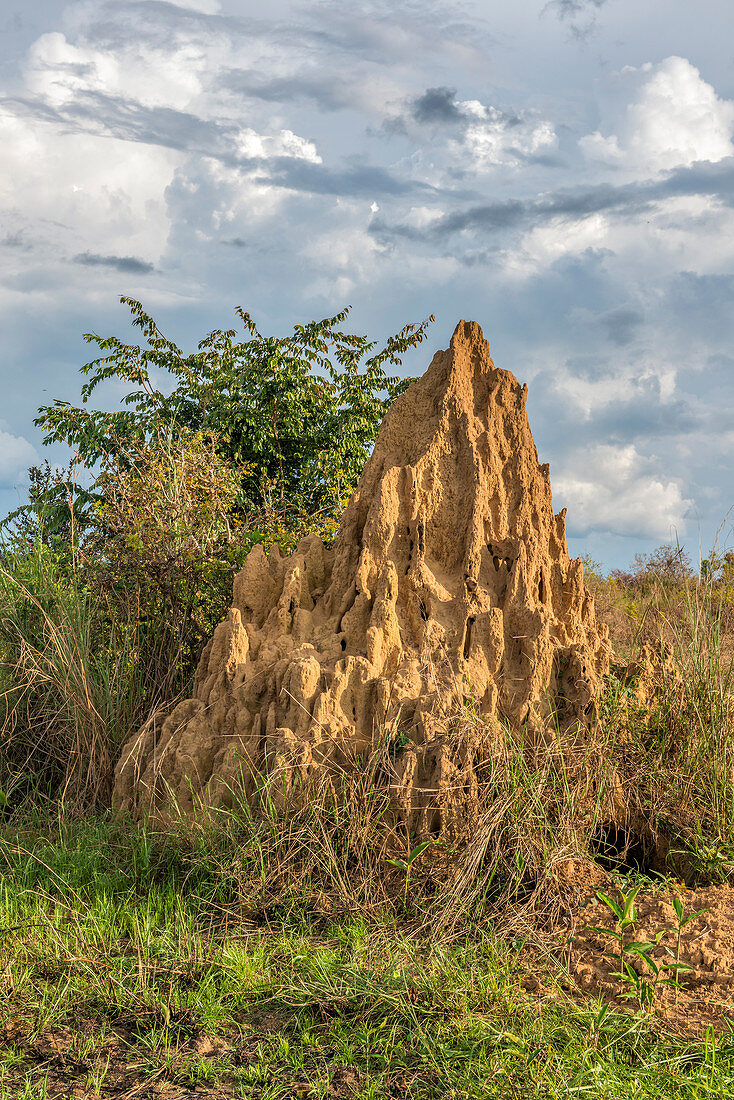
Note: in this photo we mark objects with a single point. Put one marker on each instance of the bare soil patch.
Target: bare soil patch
(704, 995)
(79, 1060)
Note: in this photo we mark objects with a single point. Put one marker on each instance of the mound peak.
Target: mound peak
(449, 581)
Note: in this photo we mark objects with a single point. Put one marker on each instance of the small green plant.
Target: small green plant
(643, 986)
(711, 858)
(406, 865)
(399, 743)
(96, 1077)
(626, 914)
(199, 1072)
(682, 920)
(595, 1028)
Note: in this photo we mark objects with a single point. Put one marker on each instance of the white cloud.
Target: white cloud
(207, 7)
(492, 138)
(16, 455)
(616, 489)
(77, 192)
(674, 118)
(168, 75)
(543, 245)
(450, 133)
(248, 143)
(678, 233)
(631, 380)
(75, 186)
(208, 199)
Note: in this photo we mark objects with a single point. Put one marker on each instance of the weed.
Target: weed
(660, 971)
(681, 922)
(710, 859)
(406, 865)
(641, 986)
(626, 917)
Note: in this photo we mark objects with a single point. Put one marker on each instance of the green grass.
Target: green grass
(128, 962)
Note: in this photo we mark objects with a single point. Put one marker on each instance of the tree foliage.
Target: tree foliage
(294, 416)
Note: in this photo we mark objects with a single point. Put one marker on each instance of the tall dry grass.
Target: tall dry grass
(104, 609)
(696, 711)
(70, 685)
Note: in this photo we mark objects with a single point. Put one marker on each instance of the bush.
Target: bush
(97, 632)
(162, 550)
(295, 417)
(668, 564)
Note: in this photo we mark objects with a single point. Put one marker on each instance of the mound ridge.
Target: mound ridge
(449, 581)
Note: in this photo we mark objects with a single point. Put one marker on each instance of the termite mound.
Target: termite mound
(449, 585)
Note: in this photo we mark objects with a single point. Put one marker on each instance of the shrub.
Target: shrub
(97, 632)
(161, 552)
(294, 416)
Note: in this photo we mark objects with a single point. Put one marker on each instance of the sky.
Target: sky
(561, 172)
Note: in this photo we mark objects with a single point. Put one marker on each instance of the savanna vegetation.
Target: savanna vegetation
(315, 953)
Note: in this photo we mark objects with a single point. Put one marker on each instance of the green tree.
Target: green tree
(295, 416)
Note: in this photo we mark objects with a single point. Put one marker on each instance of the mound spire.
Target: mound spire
(449, 581)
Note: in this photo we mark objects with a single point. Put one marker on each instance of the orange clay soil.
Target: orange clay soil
(449, 582)
(706, 993)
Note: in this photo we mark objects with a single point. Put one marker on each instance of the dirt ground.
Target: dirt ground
(134, 1073)
(704, 995)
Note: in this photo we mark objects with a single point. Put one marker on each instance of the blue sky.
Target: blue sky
(561, 172)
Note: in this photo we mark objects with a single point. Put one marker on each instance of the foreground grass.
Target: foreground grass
(128, 967)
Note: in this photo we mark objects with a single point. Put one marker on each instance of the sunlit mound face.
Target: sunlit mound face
(449, 582)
